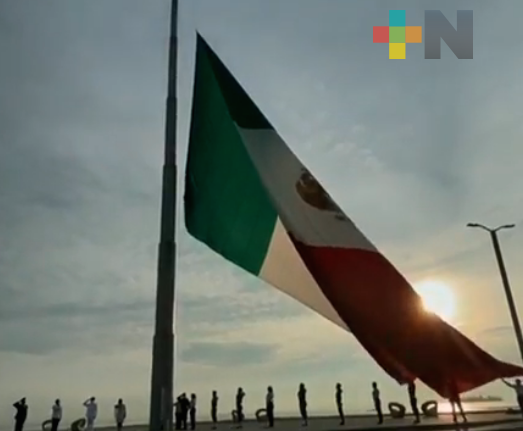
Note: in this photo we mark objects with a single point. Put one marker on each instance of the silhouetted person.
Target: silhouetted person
(455, 401)
(413, 401)
(186, 405)
(91, 411)
(21, 414)
(302, 402)
(214, 409)
(120, 413)
(240, 395)
(377, 402)
(178, 413)
(518, 388)
(269, 406)
(192, 411)
(339, 403)
(56, 415)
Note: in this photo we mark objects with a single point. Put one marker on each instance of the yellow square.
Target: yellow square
(397, 51)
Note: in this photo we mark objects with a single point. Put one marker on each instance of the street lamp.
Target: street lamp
(504, 278)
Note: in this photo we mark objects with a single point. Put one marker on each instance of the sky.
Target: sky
(411, 149)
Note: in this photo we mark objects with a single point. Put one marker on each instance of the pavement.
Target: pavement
(491, 421)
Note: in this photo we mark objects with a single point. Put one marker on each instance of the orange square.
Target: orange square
(413, 34)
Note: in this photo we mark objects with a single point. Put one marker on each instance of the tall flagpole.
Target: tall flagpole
(161, 407)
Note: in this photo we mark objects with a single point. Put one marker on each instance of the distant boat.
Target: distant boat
(481, 398)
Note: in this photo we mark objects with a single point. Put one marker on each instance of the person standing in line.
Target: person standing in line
(339, 403)
(21, 414)
(302, 401)
(518, 388)
(455, 401)
(413, 401)
(269, 406)
(120, 413)
(214, 409)
(192, 411)
(240, 395)
(56, 415)
(377, 402)
(91, 411)
(178, 413)
(186, 405)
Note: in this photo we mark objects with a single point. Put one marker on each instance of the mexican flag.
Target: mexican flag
(250, 199)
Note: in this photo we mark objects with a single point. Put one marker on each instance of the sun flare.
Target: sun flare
(438, 298)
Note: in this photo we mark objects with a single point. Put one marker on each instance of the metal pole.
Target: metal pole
(508, 291)
(161, 407)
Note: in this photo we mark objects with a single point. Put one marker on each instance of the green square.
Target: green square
(396, 34)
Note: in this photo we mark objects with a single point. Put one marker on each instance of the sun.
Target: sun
(437, 298)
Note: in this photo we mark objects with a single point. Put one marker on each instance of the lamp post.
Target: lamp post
(504, 278)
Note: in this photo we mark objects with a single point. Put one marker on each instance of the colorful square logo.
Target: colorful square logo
(397, 34)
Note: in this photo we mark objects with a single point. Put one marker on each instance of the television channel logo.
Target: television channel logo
(397, 34)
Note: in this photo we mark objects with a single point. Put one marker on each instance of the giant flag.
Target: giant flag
(251, 200)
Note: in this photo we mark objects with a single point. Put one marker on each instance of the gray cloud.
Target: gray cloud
(74, 309)
(81, 327)
(74, 323)
(228, 354)
(497, 331)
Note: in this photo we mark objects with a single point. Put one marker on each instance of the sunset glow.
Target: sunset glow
(438, 298)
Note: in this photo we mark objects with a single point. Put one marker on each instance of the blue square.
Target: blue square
(397, 18)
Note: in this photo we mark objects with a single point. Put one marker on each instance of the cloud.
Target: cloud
(227, 354)
(51, 329)
(497, 331)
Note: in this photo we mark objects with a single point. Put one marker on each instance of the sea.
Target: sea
(484, 406)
